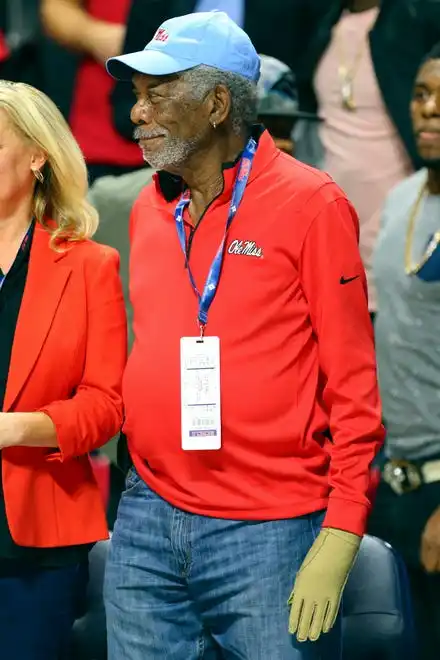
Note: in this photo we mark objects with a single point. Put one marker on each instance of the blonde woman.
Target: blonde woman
(62, 354)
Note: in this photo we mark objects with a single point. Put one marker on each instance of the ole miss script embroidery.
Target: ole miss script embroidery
(246, 248)
(161, 35)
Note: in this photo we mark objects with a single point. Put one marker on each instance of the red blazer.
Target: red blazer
(67, 360)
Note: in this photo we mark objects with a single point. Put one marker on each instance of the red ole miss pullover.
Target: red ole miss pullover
(297, 355)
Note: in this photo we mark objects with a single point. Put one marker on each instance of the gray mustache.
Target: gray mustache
(140, 133)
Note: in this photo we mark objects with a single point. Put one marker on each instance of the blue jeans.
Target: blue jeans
(188, 587)
(37, 611)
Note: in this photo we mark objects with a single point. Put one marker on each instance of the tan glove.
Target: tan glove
(319, 584)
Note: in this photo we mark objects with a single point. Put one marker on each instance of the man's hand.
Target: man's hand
(317, 593)
(430, 547)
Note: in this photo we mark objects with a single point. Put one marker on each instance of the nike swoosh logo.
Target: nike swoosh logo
(346, 280)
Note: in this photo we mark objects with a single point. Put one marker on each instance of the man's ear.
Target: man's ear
(221, 105)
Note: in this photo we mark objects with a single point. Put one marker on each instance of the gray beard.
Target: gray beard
(174, 153)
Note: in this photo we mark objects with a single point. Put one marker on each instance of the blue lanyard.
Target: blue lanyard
(210, 289)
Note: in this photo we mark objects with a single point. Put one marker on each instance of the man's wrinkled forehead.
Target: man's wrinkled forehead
(145, 82)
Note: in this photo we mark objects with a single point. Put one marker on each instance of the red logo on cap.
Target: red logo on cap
(161, 35)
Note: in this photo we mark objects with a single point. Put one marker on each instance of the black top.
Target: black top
(12, 556)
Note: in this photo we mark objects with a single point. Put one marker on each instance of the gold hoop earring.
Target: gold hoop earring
(38, 175)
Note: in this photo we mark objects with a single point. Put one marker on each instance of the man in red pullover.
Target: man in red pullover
(252, 409)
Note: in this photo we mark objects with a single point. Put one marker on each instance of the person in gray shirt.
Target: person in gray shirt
(113, 198)
(406, 267)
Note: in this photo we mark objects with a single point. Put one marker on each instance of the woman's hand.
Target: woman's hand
(34, 429)
(10, 430)
(107, 40)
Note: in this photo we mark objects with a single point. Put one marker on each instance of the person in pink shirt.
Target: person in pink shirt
(361, 71)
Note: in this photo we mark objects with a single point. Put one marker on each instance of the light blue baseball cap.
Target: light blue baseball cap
(182, 43)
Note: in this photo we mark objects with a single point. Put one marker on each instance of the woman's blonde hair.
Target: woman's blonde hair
(60, 200)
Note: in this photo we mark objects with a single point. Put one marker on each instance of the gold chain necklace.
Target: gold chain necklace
(348, 74)
(410, 267)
